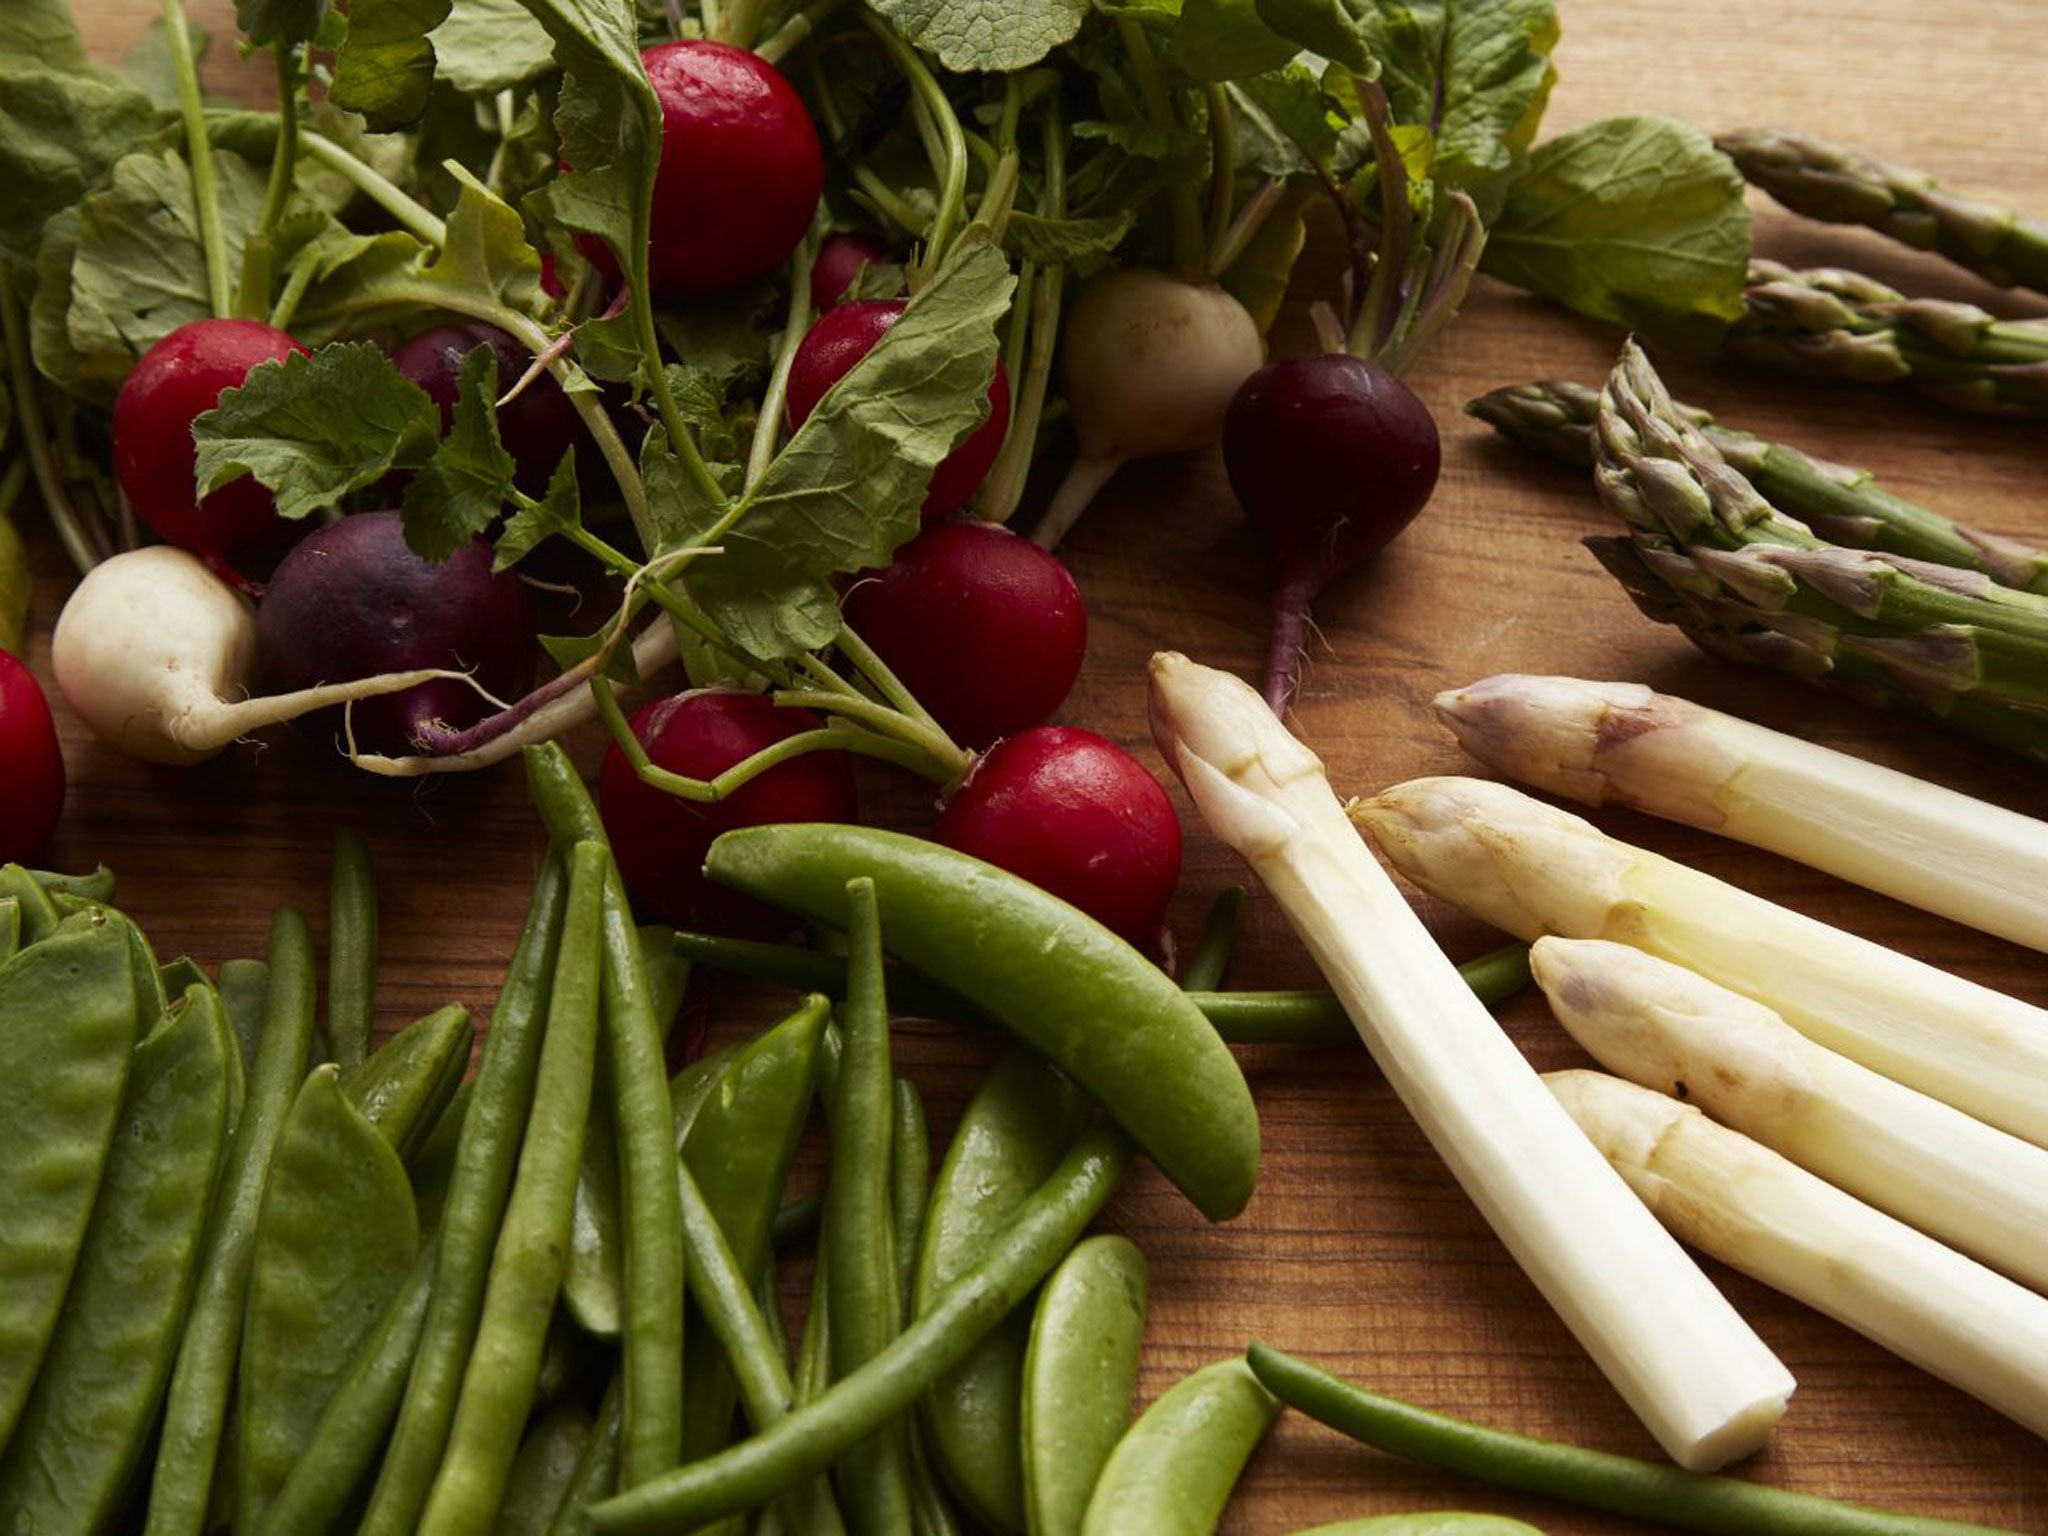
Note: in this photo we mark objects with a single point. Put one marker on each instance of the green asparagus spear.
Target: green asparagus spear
(1827, 181)
(1838, 503)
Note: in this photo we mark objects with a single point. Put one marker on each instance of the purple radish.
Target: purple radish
(1331, 456)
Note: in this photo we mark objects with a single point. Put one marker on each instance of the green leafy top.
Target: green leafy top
(986, 34)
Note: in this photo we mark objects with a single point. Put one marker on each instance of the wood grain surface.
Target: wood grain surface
(1358, 1250)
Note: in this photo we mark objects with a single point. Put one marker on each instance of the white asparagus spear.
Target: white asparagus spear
(1533, 869)
(1692, 1370)
(1623, 744)
(1759, 1213)
(1933, 1167)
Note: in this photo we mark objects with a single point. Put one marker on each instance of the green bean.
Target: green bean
(244, 987)
(336, 1235)
(1080, 1376)
(1692, 1501)
(352, 1427)
(196, 1411)
(1211, 957)
(103, 1376)
(865, 1294)
(797, 1221)
(492, 1125)
(930, 1514)
(10, 928)
(1447, 1522)
(820, 1431)
(814, 1350)
(811, 970)
(910, 1182)
(526, 1268)
(1014, 1131)
(179, 976)
(38, 912)
(542, 1471)
(652, 1331)
(597, 1469)
(433, 1166)
(1173, 1470)
(97, 886)
(403, 1087)
(351, 951)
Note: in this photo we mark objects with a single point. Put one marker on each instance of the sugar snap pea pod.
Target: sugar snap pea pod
(864, 1293)
(651, 1338)
(1014, 1131)
(492, 1126)
(39, 914)
(819, 1432)
(351, 950)
(103, 1376)
(175, 976)
(1448, 1522)
(196, 1409)
(1173, 1470)
(1080, 1375)
(244, 987)
(1642, 1490)
(1105, 1015)
(336, 1236)
(526, 1266)
(542, 1471)
(97, 886)
(597, 1469)
(405, 1084)
(67, 1036)
(357, 1416)
(10, 928)
(1211, 956)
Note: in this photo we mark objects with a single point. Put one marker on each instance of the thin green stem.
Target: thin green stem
(393, 199)
(1374, 325)
(259, 252)
(79, 541)
(793, 33)
(937, 758)
(768, 424)
(887, 683)
(1004, 489)
(1247, 223)
(883, 197)
(220, 282)
(294, 290)
(680, 441)
(1222, 170)
(11, 483)
(1189, 248)
(949, 162)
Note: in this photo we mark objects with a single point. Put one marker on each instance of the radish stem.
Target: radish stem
(1222, 171)
(768, 424)
(81, 543)
(407, 213)
(1004, 488)
(1188, 246)
(259, 254)
(793, 33)
(946, 144)
(220, 284)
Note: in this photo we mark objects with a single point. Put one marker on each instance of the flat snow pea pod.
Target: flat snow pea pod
(351, 950)
(1448, 1522)
(1070, 988)
(500, 1096)
(175, 976)
(542, 1471)
(67, 1036)
(526, 1266)
(818, 1432)
(39, 914)
(1012, 1134)
(1173, 1471)
(97, 886)
(433, 1165)
(1080, 1376)
(244, 987)
(96, 1397)
(404, 1085)
(335, 1238)
(201, 1381)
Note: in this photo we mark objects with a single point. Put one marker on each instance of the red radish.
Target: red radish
(1077, 815)
(985, 629)
(551, 277)
(659, 839)
(352, 600)
(839, 263)
(178, 380)
(31, 766)
(841, 338)
(1331, 456)
(537, 427)
(741, 168)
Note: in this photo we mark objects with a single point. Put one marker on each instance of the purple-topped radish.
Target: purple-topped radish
(352, 600)
(537, 426)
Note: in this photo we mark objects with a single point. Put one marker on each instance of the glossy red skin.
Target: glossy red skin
(537, 428)
(31, 766)
(839, 263)
(1331, 457)
(741, 167)
(1077, 815)
(352, 600)
(845, 335)
(660, 839)
(177, 380)
(986, 629)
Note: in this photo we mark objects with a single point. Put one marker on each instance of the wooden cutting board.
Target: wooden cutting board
(1358, 1250)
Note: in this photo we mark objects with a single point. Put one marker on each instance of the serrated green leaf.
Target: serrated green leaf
(996, 35)
(1226, 40)
(1259, 277)
(149, 68)
(385, 66)
(1085, 245)
(59, 136)
(486, 255)
(465, 484)
(317, 429)
(40, 34)
(265, 22)
(573, 650)
(558, 511)
(1336, 29)
(490, 45)
(1637, 220)
(846, 489)
(1283, 123)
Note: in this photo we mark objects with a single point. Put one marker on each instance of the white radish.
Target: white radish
(154, 653)
(1151, 364)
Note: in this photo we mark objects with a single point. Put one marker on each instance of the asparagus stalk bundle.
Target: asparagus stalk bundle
(1933, 1167)
(1822, 180)
(1838, 324)
(1761, 1214)
(1623, 744)
(1532, 869)
(1838, 503)
(1692, 1370)
(1706, 551)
